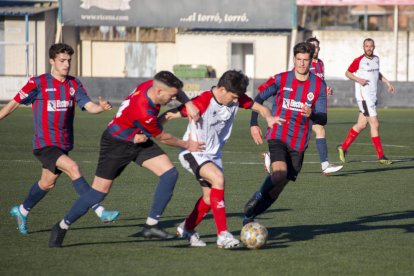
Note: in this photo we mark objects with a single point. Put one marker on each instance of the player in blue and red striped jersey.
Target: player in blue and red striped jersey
(53, 97)
(300, 99)
(317, 68)
(365, 72)
(120, 145)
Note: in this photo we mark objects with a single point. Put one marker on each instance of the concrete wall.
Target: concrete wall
(270, 51)
(340, 48)
(101, 59)
(116, 89)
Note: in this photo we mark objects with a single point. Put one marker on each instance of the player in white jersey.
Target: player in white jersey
(365, 72)
(218, 108)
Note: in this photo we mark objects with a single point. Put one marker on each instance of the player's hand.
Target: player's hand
(390, 88)
(363, 82)
(329, 91)
(104, 104)
(172, 115)
(306, 111)
(256, 134)
(140, 138)
(193, 112)
(195, 146)
(271, 121)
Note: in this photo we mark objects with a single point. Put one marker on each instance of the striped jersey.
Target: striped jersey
(216, 123)
(290, 95)
(318, 68)
(53, 105)
(368, 69)
(136, 115)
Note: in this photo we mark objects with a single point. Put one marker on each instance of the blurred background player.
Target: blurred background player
(365, 72)
(317, 68)
(120, 146)
(218, 108)
(299, 97)
(53, 97)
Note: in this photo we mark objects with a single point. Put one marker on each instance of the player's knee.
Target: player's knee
(46, 185)
(171, 175)
(278, 177)
(74, 171)
(218, 183)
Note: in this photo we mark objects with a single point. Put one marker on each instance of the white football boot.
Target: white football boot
(191, 236)
(226, 240)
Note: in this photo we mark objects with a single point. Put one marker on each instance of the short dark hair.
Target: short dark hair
(60, 48)
(368, 39)
(304, 48)
(169, 79)
(313, 39)
(234, 81)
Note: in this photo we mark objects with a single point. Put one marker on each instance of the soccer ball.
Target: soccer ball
(253, 235)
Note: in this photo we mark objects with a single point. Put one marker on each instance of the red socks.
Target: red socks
(219, 209)
(378, 146)
(199, 212)
(352, 135)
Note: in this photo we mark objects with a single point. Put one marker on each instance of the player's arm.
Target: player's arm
(169, 139)
(267, 115)
(94, 108)
(387, 82)
(192, 110)
(8, 108)
(169, 115)
(352, 76)
(265, 91)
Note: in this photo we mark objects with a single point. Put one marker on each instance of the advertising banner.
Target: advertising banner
(211, 14)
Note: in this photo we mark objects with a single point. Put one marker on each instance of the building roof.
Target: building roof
(23, 10)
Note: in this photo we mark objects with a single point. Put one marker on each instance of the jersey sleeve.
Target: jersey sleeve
(355, 65)
(81, 97)
(321, 102)
(269, 88)
(201, 102)
(28, 93)
(245, 102)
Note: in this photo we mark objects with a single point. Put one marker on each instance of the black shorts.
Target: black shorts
(195, 168)
(279, 151)
(115, 154)
(48, 156)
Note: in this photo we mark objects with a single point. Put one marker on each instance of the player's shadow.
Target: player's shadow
(285, 236)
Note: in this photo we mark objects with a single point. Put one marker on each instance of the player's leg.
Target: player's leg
(286, 165)
(161, 166)
(186, 229)
(94, 195)
(214, 175)
(322, 148)
(376, 140)
(72, 169)
(353, 133)
(114, 156)
(35, 195)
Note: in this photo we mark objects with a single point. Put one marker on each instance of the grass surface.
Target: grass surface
(359, 221)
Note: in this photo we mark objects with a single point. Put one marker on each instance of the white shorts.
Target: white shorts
(193, 161)
(367, 107)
